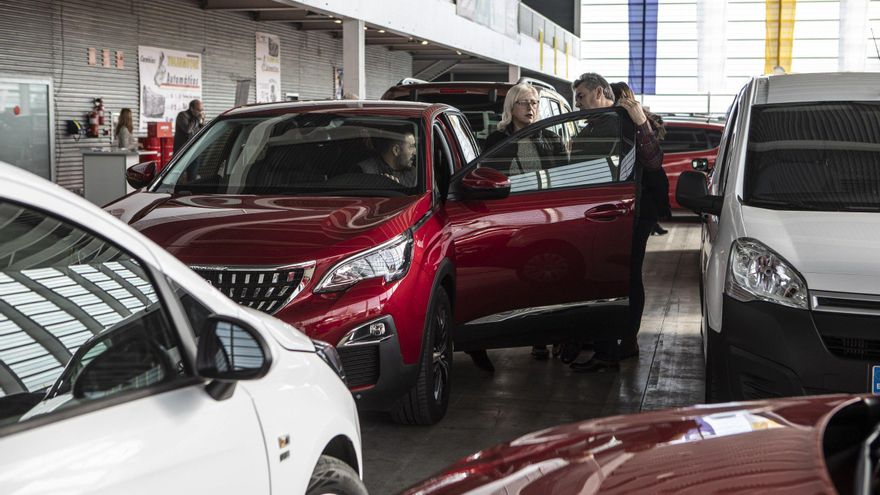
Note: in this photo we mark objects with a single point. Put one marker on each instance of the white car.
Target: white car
(122, 371)
(790, 271)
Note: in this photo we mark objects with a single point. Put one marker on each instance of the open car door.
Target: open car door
(549, 262)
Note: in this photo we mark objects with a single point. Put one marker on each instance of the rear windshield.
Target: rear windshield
(681, 139)
(301, 154)
(483, 111)
(814, 157)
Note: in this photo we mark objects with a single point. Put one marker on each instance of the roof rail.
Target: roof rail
(535, 82)
(410, 80)
(708, 117)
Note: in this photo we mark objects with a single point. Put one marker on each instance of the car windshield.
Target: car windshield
(302, 154)
(820, 156)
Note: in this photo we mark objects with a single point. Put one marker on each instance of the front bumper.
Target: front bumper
(768, 350)
(374, 367)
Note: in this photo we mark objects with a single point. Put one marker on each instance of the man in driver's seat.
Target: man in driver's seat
(394, 159)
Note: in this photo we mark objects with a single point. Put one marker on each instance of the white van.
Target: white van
(790, 281)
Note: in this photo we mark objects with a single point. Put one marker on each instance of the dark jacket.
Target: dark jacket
(186, 125)
(655, 185)
(550, 147)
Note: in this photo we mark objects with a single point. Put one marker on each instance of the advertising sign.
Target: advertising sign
(169, 79)
(268, 68)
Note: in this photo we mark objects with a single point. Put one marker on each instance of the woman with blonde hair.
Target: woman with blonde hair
(534, 152)
(538, 151)
(124, 128)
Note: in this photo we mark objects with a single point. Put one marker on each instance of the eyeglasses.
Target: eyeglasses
(527, 103)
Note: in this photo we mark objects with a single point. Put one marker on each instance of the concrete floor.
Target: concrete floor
(526, 395)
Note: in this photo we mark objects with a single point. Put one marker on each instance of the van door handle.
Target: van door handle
(606, 212)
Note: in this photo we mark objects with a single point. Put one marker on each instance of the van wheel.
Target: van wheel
(332, 476)
(426, 402)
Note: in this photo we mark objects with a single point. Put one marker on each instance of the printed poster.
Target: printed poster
(268, 68)
(169, 79)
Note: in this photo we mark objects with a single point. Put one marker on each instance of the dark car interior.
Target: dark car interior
(317, 154)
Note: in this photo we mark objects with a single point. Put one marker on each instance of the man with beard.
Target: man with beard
(394, 159)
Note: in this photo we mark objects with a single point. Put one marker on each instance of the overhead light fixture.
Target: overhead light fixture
(382, 31)
(366, 28)
(424, 42)
(338, 21)
(458, 52)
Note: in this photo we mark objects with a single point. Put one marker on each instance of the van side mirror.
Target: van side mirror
(141, 175)
(693, 193)
(485, 183)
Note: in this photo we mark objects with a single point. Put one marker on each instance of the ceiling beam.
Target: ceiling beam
(245, 5)
(289, 16)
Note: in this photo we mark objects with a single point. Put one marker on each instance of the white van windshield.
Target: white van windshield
(819, 156)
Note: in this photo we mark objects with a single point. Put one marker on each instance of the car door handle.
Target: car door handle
(606, 212)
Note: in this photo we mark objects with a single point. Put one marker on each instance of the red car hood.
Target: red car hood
(266, 230)
(749, 447)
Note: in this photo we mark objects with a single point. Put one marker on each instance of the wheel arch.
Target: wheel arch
(342, 448)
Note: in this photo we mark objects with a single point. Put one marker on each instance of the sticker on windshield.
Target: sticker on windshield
(875, 380)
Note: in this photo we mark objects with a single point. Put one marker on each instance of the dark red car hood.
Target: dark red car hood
(750, 447)
(266, 230)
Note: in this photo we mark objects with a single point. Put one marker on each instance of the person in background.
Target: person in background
(592, 91)
(622, 89)
(530, 154)
(124, 129)
(187, 124)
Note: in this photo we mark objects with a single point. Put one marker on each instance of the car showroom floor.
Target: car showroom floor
(526, 395)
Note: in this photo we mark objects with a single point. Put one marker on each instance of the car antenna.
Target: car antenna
(875, 43)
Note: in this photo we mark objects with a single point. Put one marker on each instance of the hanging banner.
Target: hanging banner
(268, 68)
(711, 46)
(643, 46)
(169, 79)
(780, 36)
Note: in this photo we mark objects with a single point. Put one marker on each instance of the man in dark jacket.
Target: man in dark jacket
(187, 124)
(593, 91)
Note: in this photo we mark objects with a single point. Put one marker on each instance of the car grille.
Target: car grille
(853, 348)
(361, 364)
(264, 289)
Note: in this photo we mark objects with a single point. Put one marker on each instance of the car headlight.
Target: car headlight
(390, 260)
(330, 356)
(757, 272)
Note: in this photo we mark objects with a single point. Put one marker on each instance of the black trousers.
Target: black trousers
(609, 349)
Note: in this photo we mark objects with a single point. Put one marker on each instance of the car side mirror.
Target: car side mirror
(485, 183)
(700, 164)
(141, 175)
(693, 193)
(231, 350)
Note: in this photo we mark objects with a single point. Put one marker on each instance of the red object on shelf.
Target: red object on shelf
(159, 129)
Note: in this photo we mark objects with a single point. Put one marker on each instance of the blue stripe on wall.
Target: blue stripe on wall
(643, 46)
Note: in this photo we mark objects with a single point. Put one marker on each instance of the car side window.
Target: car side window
(464, 137)
(545, 111)
(542, 159)
(80, 320)
(684, 139)
(442, 162)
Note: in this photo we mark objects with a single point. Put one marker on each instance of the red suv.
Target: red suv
(691, 143)
(375, 227)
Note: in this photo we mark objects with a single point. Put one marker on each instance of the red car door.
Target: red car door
(553, 257)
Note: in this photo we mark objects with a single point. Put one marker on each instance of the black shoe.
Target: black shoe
(482, 361)
(540, 353)
(595, 365)
(658, 230)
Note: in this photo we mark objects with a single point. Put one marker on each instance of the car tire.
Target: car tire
(332, 476)
(427, 400)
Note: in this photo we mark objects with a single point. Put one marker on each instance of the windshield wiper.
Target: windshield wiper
(860, 208)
